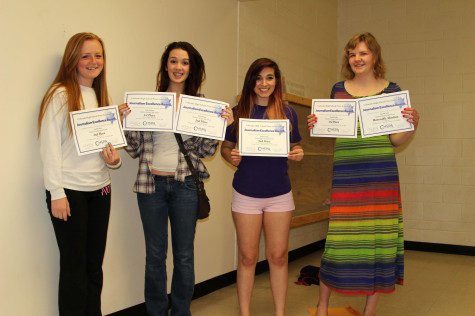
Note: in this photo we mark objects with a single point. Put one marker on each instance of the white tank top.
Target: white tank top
(165, 151)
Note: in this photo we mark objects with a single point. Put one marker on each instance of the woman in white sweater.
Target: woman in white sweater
(77, 187)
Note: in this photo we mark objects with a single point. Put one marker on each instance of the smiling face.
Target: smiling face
(361, 59)
(91, 62)
(265, 85)
(178, 66)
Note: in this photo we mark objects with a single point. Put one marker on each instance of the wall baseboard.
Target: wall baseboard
(221, 281)
(137, 310)
(216, 283)
(440, 248)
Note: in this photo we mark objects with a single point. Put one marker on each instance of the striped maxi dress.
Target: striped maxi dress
(364, 250)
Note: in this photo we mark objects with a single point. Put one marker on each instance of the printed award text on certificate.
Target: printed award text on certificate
(150, 111)
(381, 114)
(201, 117)
(93, 129)
(267, 138)
(336, 118)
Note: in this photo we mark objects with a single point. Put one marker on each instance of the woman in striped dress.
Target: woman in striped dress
(364, 251)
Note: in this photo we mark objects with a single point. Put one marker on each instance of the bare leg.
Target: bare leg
(323, 300)
(371, 301)
(248, 230)
(276, 228)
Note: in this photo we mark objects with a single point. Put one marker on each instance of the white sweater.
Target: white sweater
(62, 166)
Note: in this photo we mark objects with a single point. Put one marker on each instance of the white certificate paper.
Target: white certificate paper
(267, 138)
(201, 117)
(150, 111)
(336, 118)
(381, 114)
(93, 129)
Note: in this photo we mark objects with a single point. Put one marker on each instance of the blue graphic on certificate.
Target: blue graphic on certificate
(93, 129)
(336, 118)
(381, 114)
(150, 111)
(266, 138)
(200, 117)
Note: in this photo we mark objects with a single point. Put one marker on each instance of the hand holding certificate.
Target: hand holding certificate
(93, 129)
(381, 114)
(267, 138)
(150, 111)
(201, 117)
(378, 115)
(336, 118)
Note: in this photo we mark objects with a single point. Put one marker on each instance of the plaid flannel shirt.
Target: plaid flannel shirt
(140, 144)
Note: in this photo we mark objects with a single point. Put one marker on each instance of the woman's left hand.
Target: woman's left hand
(311, 121)
(412, 116)
(228, 115)
(110, 155)
(124, 110)
(296, 154)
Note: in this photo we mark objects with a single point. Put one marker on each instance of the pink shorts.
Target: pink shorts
(250, 205)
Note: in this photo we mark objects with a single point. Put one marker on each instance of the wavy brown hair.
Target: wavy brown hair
(379, 67)
(245, 107)
(196, 75)
(67, 78)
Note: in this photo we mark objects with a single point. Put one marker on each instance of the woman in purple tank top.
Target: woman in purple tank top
(262, 196)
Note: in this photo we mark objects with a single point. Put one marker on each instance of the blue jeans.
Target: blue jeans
(179, 202)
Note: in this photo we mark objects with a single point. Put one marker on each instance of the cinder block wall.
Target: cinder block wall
(429, 48)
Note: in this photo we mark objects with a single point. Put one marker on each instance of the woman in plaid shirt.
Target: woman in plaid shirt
(166, 189)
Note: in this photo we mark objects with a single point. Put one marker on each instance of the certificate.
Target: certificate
(381, 114)
(150, 111)
(268, 138)
(336, 118)
(93, 129)
(201, 117)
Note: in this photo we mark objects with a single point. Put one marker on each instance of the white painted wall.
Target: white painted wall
(135, 33)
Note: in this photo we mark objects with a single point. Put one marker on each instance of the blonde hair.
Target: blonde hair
(67, 78)
(379, 68)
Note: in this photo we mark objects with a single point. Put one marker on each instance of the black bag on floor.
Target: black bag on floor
(309, 275)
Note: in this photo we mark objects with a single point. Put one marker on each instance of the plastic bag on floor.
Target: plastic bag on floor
(339, 311)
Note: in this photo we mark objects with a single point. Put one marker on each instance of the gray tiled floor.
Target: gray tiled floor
(435, 285)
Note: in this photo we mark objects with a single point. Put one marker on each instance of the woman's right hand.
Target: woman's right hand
(60, 209)
(124, 110)
(228, 115)
(311, 121)
(235, 157)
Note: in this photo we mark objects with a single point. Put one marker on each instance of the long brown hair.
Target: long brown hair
(379, 67)
(67, 78)
(197, 69)
(245, 107)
